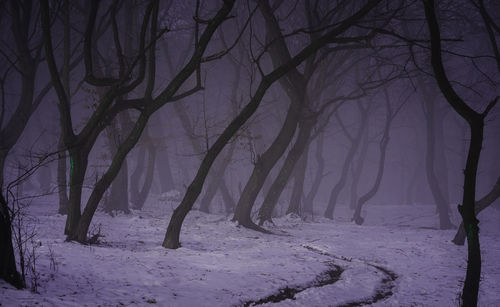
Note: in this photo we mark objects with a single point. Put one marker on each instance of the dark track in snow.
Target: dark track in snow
(383, 291)
(325, 278)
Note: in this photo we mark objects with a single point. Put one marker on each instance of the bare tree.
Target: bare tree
(475, 120)
(171, 239)
(130, 76)
(390, 114)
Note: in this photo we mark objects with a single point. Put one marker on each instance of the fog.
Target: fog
(275, 117)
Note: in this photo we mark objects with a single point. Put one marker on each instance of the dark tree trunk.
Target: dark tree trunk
(263, 167)
(297, 198)
(475, 121)
(286, 170)
(118, 196)
(332, 201)
(171, 239)
(318, 177)
(481, 204)
(295, 86)
(8, 270)
(217, 183)
(214, 177)
(62, 185)
(78, 166)
(80, 145)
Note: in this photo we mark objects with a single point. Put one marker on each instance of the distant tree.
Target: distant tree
(354, 141)
(390, 114)
(144, 169)
(434, 168)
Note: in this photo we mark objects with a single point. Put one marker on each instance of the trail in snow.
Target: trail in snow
(325, 278)
(383, 291)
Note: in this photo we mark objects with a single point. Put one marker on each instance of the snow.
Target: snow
(221, 264)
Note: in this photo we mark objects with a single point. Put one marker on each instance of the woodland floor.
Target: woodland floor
(396, 259)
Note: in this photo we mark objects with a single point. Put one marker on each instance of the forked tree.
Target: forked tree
(475, 121)
(141, 69)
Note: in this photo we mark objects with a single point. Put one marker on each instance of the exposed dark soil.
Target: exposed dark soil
(383, 291)
(325, 278)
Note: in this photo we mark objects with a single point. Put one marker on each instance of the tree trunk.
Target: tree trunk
(476, 124)
(148, 178)
(332, 201)
(263, 167)
(62, 186)
(318, 177)
(430, 159)
(467, 210)
(384, 141)
(78, 166)
(295, 86)
(171, 239)
(80, 232)
(296, 201)
(283, 177)
(118, 196)
(481, 204)
(8, 270)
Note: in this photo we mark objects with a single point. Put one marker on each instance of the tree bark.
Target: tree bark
(171, 239)
(295, 86)
(297, 198)
(481, 204)
(318, 177)
(8, 270)
(283, 177)
(62, 185)
(475, 121)
(118, 199)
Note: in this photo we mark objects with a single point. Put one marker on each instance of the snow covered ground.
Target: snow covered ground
(396, 259)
